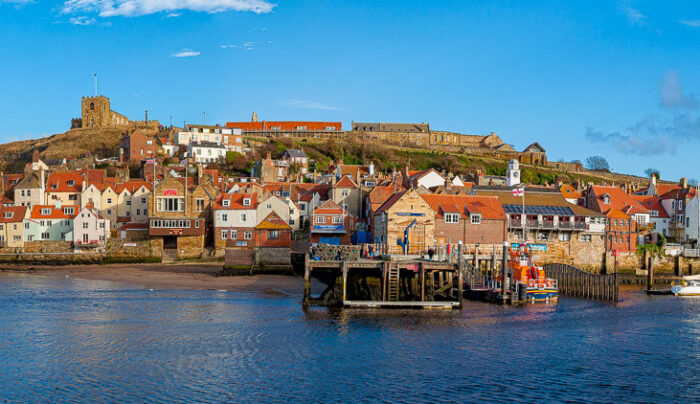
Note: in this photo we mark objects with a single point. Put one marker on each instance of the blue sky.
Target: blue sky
(619, 79)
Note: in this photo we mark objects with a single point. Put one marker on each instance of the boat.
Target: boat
(690, 286)
(531, 278)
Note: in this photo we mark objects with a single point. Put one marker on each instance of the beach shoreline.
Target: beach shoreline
(168, 276)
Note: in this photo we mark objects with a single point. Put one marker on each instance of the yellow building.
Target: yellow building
(11, 218)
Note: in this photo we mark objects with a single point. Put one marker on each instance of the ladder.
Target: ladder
(393, 283)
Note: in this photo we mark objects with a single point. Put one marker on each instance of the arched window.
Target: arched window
(92, 105)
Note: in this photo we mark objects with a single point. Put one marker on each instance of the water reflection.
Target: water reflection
(73, 340)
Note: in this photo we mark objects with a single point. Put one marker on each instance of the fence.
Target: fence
(576, 282)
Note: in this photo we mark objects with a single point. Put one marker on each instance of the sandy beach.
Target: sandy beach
(172, 276)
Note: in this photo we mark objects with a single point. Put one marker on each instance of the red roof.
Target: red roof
(619, 200)
(389, 203)
(678, 193)
(345, 182)
(65, 182)
(488, 206)
(53, 213)
(569, 192)
(381, 193)
(236, 201)
(17, 213)
(651, 203)
(328, 208)
(291, 126)
(666, 188)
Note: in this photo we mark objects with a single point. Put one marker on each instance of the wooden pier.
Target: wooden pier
(386, 284)
(576, 282)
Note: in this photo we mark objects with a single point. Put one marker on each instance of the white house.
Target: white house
(206, 152)
(89, 228)
(427, 179)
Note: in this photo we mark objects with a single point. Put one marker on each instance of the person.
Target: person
(371, 251)
(431, 252)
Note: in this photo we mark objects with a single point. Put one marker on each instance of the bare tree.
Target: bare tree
(597, 163)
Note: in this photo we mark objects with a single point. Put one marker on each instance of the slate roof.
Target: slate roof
(488, 206)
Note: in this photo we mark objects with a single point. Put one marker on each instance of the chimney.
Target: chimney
(653, 179)
(493, 133)
(146, 120)
(684, 183)
(269, 156)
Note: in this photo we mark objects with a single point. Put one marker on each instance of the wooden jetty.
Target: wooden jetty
(392, 283)
(576, 282)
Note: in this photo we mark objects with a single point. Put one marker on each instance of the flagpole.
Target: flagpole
(522, 193)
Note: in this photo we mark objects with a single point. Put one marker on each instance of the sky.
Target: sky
(618, 79)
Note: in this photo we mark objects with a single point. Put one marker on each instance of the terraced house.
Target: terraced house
(50, 223)
(64, 188)
(11, 229)
(235, 218)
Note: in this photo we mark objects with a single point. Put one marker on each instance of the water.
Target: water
(86, 341)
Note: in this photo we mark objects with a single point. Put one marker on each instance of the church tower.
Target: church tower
(96, 112)
(513, 173)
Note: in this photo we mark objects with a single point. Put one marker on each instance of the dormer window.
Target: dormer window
(451, 218)
(606, 198)
(246, 201)
(8, 215)
(476, 218)
(226, 203)
(71, 183)
(45, 211)
(69, 211)
(54, 186)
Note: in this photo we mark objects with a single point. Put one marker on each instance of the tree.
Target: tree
(597, 163)
(653, 171)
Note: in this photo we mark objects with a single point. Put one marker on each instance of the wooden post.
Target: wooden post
(504, 271)
(345, 281)
(422, 282)
(385, 267)
(460, 280)
(307, 281)
(650, 273)
(476, 255)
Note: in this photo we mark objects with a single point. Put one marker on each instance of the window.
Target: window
(128, 203)
(476, 219)
(26, 225)
(564, 236)
(244, 217)
(224, 234)
(234, 234)
(196, 224)
(247, 235)
(170, 204)
(224, 217)
(541, 237)
(138, 212)
(22, 192)
(345, 192)
(269, 206)
(17, 238)
(29, 192)
(8, 215)
(69, 211)
(109, 211)
(102, 225)
(45, 236)
(85, 238)
(73, 197)
(199, 204)
(226, 203)
(71, 183)
(320, 219)
(109, 200)
(45, 211)
(273, 234)
(246, 201)
(85, 225)
(451, 218)
(143, 200)
(337, 219)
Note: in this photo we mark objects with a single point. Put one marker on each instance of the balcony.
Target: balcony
(533, 224)
(548, 224)
(580, 226)
(515, 224)
(566, 226)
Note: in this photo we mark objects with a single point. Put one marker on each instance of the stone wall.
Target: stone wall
(273, 256)
(48, 247)
(190, 246)
(584, 255)
(242, 256)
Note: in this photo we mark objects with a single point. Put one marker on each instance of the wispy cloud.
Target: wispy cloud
(81, 20)
(690, 23)
(634, 16)
(671, 93)
(185, 53)
(306, 104)
(662, 132)
(250, 45)
(130, 8)
(172, 15)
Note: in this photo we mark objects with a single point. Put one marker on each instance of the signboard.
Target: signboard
(615, 253)
(409, 214)
(534, 247)
(329, 227)
(176, 232)
(129, 244)
(170, 192)
(241, 243)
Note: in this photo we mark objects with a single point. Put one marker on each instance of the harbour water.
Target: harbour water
(86, 341)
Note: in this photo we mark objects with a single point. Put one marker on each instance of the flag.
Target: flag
(518, 191)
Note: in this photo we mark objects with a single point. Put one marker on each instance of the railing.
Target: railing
(580, 226)
(576, 282)
(533, 223)
(566, 225)
(690, 252)
(516, 224)
(548, 224)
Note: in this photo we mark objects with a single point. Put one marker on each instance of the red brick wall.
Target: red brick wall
(488, 232)
(284, 240)
(622, 235)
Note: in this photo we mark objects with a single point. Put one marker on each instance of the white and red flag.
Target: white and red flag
(518, 191)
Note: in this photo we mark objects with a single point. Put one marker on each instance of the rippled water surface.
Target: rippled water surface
(87, 341)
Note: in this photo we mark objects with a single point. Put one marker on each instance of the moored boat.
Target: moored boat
(530, 277)
(690, 286)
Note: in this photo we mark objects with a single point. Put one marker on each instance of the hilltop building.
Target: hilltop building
(96, 112)
(288, 128)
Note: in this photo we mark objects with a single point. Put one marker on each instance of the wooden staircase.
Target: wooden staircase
(393, 278)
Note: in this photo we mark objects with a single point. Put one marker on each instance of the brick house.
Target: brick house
(624, 216)
(330, 224)
(235, 217)
(405, 211)
(273, 231)
(181, 215)
(469, 219)
(136, 146)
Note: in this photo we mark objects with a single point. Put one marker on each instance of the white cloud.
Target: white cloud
(82, 20)
(691, 23)
(130, 8)
(306, 104)
(671, 93)
(172, 15)
(250, 45)
(185, 53)
(634, 16)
